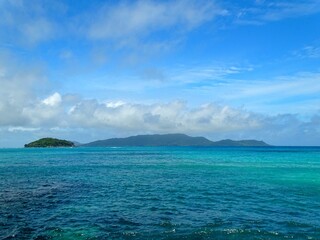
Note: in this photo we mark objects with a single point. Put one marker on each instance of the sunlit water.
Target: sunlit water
(160, 193)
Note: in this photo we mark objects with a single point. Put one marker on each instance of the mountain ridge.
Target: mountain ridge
(176, 139)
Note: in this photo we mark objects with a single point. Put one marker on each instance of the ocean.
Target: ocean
(160, 193)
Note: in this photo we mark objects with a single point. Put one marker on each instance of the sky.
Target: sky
(88, 70)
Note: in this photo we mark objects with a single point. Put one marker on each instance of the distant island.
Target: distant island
(156, 140)
(50, 142)
(153, 140)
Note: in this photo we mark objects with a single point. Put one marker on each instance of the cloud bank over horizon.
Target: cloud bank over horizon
(62, 115)
(101, 69)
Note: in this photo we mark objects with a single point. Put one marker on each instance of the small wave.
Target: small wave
(130, 234)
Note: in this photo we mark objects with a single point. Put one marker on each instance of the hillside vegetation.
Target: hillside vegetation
(50, 142)
(171, 140)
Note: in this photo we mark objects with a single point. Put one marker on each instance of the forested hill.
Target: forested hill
(169, 140)
(50, 142)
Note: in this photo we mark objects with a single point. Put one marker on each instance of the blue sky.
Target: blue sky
(87, 70)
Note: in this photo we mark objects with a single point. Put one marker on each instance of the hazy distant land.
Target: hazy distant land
(153, 140)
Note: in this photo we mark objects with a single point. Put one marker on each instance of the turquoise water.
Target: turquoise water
(160, 193)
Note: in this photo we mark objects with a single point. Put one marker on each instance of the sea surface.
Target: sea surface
(160, 193)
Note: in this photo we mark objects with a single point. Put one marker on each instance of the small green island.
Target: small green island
(49, 142)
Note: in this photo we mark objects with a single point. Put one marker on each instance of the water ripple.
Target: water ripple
(159, 193)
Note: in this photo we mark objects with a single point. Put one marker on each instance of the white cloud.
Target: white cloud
(308, 52)
(22, 129)
(28, 22)
(282, 87)
(115, 104)
(37, 30)
(284, 9)
(205, 73)
(128, 19)
(170, 117)
(22, 110)
(121, 118)
(297, 93)
(55, 110)
(266, 11)
(18, 83)
(48, 114)
(73, 116)
(53, 100)
(289, 129)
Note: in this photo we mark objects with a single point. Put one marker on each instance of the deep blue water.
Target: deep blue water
(160, 193)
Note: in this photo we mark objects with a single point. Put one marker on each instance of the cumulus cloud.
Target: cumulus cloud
(290, 129)
(28, 106)
(53, 100)
(44, 115)
(171, 117)
(22, 108)
(24, 114)
(18, 84)
(123, 119)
